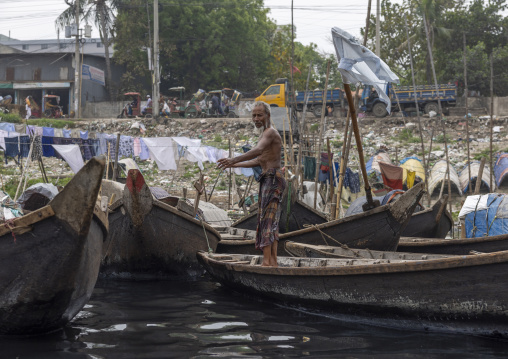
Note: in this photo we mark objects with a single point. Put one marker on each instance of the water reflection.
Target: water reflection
(199, 320)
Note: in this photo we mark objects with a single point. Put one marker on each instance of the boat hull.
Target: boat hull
(451, 295)
(377, 229)
(149, 238)
(51, 261)
(462, 246)
(299, 215)
(424, 224)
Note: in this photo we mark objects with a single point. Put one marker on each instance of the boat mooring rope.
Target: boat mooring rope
(206, 236)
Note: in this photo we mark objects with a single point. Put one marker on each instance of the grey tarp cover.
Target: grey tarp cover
(47, 190)
(212, 214)
(475, 169)
(438, 174)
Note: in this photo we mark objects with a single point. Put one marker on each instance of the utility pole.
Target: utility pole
(378, 29)
(156, 75)
(491, 164)
(77, 66)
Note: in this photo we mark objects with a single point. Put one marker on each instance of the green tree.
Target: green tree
(280, 62)
(203, 44)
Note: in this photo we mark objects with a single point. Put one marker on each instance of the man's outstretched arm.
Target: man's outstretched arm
(265, 141)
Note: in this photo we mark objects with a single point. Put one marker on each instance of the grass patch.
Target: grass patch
(41, 122)
(440, 139)
(485, 153)
(406, 135)
(11, 186)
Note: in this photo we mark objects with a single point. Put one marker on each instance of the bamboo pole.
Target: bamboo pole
(491, 116)
(480, 175)
(318, 155)
(467, 115)
(229, 187)
(290, 159)
(425, 168)
(370, 202)
(330, 173)
(302, 129)
(349, 130)
(398, 104)
(117, 145)
(342, 166)
(440, 109)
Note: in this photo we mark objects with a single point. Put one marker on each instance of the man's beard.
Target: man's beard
(258, 131)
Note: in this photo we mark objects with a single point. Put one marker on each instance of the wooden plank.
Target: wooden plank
(26, 220)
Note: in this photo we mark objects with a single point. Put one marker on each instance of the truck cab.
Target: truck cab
(275, 95)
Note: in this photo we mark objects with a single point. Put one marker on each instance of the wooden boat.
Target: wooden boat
(299, 216)
(311, 251)
(50, 257)
(457, 294)
(462, 246)
(151, 238)
(377, 229)
(434, 222)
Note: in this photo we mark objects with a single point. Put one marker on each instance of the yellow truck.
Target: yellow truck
(278, 95)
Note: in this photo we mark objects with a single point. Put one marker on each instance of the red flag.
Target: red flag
(296, 69)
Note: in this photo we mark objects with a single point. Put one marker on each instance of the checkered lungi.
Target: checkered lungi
(271, 189)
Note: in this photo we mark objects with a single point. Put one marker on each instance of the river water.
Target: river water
(200, 319)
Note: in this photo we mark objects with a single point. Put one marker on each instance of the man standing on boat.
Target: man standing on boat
(267, 154)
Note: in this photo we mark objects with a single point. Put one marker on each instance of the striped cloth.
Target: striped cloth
(271, 189)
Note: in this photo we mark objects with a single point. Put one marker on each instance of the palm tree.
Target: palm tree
(102, 13)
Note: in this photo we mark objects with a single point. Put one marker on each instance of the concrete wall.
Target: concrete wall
(500, 104)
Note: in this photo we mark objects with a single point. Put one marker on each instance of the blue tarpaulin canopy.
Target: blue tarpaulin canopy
(491, 221)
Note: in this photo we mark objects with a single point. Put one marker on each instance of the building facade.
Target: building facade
(38, 68)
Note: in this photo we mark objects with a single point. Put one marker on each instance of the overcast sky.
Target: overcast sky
(35, 19)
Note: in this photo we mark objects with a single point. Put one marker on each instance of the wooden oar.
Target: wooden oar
(370, 204)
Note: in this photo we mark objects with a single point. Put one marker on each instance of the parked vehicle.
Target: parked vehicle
(133, 108)
(4, 101)
(279, 95)
(193, 109)
(52, 106)
(232, 102)
(425, 94)
(177, 103)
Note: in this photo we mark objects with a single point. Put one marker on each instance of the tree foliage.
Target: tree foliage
(482, 22)
(212, 45)
(202, 44)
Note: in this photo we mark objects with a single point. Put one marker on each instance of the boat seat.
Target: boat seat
(240, 262)
(475, 252)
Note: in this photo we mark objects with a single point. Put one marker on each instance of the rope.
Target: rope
(324, 234)
(206, 236)
(9, 223)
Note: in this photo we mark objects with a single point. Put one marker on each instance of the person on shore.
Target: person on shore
(267, 154)
(28, 108)
(148, 104)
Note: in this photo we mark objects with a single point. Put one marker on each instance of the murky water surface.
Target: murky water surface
(175, 319)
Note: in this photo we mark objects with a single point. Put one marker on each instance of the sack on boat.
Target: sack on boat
(9, 208)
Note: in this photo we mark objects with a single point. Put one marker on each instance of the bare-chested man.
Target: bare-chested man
(271, 183)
